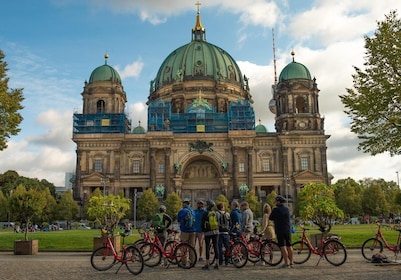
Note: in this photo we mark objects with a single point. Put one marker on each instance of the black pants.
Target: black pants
(214, 240)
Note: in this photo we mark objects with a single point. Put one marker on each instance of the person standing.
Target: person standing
(247, 220)
(211, 229)
(187, 230)
(267, 225)
(199, 235)
(236, 218)
(161, 221)
(282, 225)
(223, 219)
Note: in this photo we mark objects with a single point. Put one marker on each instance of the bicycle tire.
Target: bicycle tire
(185, 255)
(169, 248)
(238, 253)
(334, 252)
(254, 249)
(102, 258)
(271, 253)
(152, 254)
(133, 260)
(370, 247)
(301, 252)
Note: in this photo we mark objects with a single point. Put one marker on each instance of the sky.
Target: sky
(52, 47)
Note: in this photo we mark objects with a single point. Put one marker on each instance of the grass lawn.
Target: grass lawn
(351, 236)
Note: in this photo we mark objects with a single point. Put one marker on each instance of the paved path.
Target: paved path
(61, 265)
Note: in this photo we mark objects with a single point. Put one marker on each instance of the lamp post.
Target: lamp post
(286, 178)
(104, 181)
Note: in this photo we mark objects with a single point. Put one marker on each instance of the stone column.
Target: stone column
(152, 168)
(167, 171)
(234, 151)
(250, 167)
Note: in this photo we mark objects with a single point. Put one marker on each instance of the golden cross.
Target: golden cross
(198, 4)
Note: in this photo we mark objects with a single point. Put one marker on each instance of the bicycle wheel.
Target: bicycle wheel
(238, 254)
(151, 253)
(253, 247)
(102, 258)
(169, 248)
(334, 252)
(371, 247)
(271, 253)
(185, 255)
(133, 260)
(301, 252)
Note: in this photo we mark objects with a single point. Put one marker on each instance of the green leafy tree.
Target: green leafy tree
(373, 104)
(108, 210)
(374, 201)
(173, 204)
(147, 205)
(271, 199)
(223, 198)
(348, 194)
(49, 213)
(26, 204)
(67, 207)
(7, 181)
(316, 202)
(3, 207)
(10, 105)
(254, 204)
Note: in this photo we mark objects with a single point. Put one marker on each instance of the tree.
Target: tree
(223, 198)
(316, 203)
(67, 207)
(3, 207)
(49, 213)
(348, 196)
(374, 102)
(374, 201)
(254, 204)
(25, 204)
(108, 210)
(147, 205)
(10, 105)
(173, 204)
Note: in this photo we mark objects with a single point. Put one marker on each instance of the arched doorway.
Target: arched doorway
(201, 180)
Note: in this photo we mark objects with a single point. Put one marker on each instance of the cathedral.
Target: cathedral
(201, 138)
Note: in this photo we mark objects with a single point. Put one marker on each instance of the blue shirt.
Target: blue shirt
(236, 218)
(198, 219)
(181, 219)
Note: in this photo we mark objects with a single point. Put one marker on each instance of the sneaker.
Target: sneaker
(200, 259)
(205, 267)
(285, 266)
(216, 267)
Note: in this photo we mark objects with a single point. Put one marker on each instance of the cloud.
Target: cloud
(130, 70)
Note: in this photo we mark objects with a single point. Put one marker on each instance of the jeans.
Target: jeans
(223, 242)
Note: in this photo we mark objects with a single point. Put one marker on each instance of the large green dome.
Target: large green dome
(198, 60)
(105, 73)
(294, 70)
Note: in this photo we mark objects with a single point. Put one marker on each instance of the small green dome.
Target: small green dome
(294, 70)
(138, 130)
(260, 128)
(105, 73)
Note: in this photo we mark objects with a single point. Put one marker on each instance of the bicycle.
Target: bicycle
(107, 256)
(236, 253)
(375, 244)
(265, 249)
(180, 253)
(330, 248)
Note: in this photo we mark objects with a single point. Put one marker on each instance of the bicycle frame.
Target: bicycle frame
(394, 248)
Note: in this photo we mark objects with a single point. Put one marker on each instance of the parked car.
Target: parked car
(83, 226)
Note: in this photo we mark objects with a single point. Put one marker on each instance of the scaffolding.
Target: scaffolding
(101, 123)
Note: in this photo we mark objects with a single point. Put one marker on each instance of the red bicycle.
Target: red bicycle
(331, 249)
(106, 257)
(375, 244)
(265, 249)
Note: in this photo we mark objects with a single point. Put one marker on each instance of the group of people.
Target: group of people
(204, 226)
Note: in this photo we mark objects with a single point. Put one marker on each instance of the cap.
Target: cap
(201, 201)
(186, 199)
(280, 198)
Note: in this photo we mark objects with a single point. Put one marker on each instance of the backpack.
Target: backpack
(157, 221)
(379, 258)
(212, 218)
(189, 219)
(224, 221)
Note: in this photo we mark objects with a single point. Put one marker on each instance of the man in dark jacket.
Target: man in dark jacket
(282, 225)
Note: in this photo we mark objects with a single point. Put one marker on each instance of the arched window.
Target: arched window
(101, 106)
(300, 105)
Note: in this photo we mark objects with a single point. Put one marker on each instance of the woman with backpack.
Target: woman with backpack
(210, 227)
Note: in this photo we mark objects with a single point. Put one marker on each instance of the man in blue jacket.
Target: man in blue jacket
(187, 233)
(236, 218)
